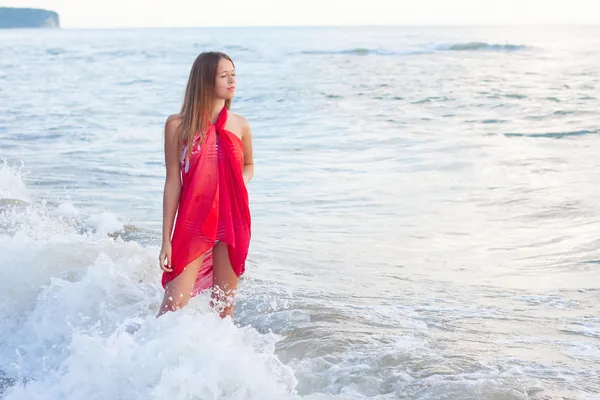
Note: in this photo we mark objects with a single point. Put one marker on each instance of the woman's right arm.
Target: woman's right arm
(172, 189)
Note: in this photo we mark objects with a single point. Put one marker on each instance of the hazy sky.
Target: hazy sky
(159, 13)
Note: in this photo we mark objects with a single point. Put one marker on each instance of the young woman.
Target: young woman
(208, 156)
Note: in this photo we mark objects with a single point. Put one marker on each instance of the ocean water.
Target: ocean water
(425, 215)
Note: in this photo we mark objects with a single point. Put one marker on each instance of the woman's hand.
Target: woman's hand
(165, 253)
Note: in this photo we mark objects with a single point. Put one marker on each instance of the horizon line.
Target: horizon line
(399, 25)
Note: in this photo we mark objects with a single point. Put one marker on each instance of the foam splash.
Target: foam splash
(179, 356)
(70, 299)
(12, 187)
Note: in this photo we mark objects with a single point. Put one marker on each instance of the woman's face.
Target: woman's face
(225, 84)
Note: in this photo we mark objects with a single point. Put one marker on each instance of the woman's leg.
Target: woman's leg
(178, 291)
(225, 281)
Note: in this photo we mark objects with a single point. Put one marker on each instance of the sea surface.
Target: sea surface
(425, 209)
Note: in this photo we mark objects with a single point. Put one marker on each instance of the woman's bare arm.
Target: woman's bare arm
(172, 189)
(248, 170)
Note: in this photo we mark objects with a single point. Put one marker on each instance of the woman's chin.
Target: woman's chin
(226, 96)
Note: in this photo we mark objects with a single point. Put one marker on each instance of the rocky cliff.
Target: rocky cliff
(28, 18)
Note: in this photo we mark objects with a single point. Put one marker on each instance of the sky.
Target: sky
(173, 13)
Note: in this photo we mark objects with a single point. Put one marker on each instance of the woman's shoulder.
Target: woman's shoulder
(238, 123)
(172, 124)
(172, 136)
(174, 120)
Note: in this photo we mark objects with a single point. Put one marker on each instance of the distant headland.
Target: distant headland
(11, 17)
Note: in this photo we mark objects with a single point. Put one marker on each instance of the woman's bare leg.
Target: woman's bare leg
(178, 291)
(225, 281)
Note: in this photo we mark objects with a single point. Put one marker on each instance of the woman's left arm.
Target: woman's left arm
(248, 170)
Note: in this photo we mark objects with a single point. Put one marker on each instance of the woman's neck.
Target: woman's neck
(219, 104)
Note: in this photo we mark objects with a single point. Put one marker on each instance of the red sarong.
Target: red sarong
(213, 206)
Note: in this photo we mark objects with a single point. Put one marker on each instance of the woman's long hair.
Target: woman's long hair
(199, 100)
